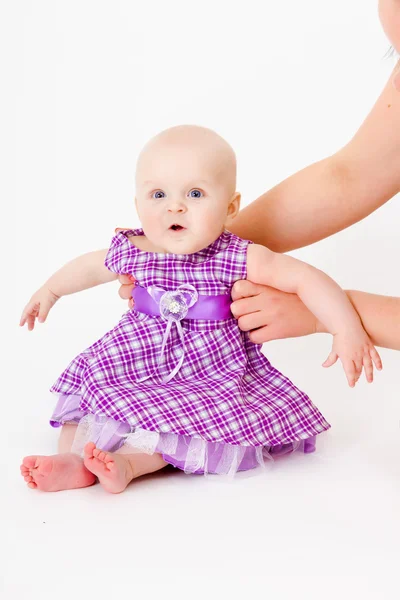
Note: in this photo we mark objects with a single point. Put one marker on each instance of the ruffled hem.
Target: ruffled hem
(189, 454)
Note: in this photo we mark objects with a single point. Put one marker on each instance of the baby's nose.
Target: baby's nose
(177, 207)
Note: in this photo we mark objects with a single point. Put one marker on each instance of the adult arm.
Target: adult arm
(270, 314)
(333, 193)
(380, 316)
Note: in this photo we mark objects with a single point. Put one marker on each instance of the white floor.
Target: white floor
(319, 526)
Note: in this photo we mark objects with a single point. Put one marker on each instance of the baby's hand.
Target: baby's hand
(125, 291)
(356, 351)
(38, 307)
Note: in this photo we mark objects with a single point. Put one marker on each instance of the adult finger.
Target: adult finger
(245, 306)
(244, 288)
(268, 333)
(252, 321)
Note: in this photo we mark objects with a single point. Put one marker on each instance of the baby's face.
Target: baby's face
(184, 195)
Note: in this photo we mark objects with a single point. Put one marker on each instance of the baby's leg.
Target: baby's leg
(63, 471)
(115, 470)
(66, 438)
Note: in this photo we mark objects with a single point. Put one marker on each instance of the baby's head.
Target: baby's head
(186, 188)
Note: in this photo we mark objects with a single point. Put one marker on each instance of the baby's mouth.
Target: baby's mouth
(176, 227)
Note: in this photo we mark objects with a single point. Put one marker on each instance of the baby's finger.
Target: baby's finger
(358, 362)
(332, 358)
(33, 316)
(126, 279)
(31, 322)
(368, 368)
(125, 291)
(376, 358)
(30, 310)
(350, 370)
(24, 316)
(44, 311)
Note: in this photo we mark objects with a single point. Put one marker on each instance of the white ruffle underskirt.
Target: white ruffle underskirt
(192, 455)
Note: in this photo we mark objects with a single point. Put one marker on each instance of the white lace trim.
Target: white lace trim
(194, 456)
(99, 430)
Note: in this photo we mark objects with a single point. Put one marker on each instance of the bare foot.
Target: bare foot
(55, 473)
(114, 471)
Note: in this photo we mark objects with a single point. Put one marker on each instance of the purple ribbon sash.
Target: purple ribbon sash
(212, 308)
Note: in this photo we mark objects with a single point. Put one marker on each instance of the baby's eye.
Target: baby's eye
(195, 194)
(158, 194)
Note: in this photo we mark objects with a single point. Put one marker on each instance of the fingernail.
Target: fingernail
(131, 277)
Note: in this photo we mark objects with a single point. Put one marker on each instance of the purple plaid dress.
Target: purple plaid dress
(226, 409)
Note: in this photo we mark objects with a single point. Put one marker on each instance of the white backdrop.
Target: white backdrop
(286, 83)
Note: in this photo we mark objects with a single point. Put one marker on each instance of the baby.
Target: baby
(176, 382)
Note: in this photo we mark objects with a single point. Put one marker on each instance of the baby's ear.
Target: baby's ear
(234, 205)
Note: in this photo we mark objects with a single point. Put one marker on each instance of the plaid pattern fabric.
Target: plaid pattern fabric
(226, 390)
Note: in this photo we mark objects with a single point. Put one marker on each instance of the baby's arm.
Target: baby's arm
(79, 274)
(326, 300)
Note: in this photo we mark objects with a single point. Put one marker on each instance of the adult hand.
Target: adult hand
(270, 314)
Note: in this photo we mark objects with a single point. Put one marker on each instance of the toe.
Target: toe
(100, 454)
(29, 462)
(108, 461)
(88, 449)
(32, 485)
